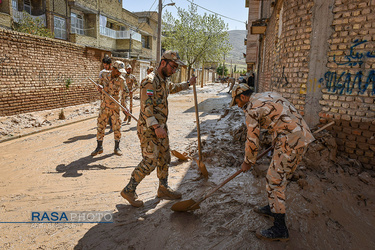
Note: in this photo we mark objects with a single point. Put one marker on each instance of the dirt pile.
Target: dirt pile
(15, 125)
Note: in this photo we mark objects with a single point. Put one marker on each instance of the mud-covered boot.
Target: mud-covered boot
(278, 231)
(117, 148)
(99, 149)
(165, 192)
(266, 211)
(129, 194)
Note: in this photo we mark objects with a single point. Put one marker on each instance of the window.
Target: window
(15, 4)
(146, 42)
(59, 27)
(77, 24)
(27, 6)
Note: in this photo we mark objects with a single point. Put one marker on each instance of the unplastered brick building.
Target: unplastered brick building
(320, 55)
(38, 73)
(98, 24)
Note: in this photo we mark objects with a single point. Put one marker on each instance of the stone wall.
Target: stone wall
(34, 72)
(339, 85)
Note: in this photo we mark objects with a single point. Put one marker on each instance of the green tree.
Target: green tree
(33, 26)
(219, 70)
(198, 39)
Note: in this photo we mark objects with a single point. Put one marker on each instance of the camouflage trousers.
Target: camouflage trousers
(155, 154)
(104, 115)
(129, 97)
(282, 166)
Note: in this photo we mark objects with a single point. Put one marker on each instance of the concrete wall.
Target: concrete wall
(320, 55)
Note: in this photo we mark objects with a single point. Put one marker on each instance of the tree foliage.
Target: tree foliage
(33, 26)
(198, 39)
(219, 70)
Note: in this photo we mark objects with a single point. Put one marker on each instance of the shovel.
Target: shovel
(185, 157)
(201, 165)
(113, 99)
(189, 205)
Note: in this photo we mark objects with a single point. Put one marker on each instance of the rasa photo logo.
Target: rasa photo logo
(72, 217)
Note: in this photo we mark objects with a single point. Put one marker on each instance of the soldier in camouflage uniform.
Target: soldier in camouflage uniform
(150, 70)
(107, 66)
(132, 85)
(112, 83)
(291, 136)
(152, 131)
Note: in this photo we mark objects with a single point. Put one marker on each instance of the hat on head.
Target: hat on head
(150, 67)
(120, 66)
(128, 66)
(172, 56)
(238, 89)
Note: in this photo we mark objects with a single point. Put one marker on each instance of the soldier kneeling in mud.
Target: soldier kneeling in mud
(290, 135)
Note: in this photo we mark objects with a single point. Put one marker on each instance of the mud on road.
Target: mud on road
(330, 200)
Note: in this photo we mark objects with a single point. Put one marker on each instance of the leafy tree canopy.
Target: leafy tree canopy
(197, 38)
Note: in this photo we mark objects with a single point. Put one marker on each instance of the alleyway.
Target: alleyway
(53, 171)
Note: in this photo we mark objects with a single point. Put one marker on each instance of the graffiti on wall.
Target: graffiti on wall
(345, 82)
(282, 81)
(355, 58)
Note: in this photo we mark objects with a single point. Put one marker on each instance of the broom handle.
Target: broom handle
(113, 99)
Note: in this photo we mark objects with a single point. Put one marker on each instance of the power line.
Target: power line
(140, 26)
(216, 12)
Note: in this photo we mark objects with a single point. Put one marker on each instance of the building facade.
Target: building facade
(320, 54)
(97, 24)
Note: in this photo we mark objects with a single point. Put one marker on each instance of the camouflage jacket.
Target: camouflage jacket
(271, 111)
(131, 82)
(112, 87)
(154, 103)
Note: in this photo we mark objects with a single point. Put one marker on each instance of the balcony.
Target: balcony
(18, 16)
(120, 34)
(259, 26)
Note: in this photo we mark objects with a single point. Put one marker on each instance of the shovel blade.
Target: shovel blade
(179, 155)
(202, 168)
(184, 206)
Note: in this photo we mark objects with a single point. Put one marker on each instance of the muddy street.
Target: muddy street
(328, 207)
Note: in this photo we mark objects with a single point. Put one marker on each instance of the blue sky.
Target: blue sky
(234, 9)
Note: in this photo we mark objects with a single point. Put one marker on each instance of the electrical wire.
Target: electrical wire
(216, 12)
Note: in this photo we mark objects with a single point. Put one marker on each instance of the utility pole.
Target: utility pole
(158, 48)
(130, 44)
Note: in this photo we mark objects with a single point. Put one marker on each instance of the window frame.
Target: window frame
(61, 30)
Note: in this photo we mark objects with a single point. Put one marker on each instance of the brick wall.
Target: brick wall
(34, 71)
(348, 84)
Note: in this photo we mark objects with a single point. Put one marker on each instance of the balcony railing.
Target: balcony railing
(108, 32)
(18, 16)
(120, 34)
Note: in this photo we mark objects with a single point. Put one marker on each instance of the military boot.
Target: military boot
(117, 148)
(99, 149)
(278, 231)
(266, 211)
(165, 192)
(129, 194)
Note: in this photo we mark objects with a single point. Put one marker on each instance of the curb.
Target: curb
(46, 129)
